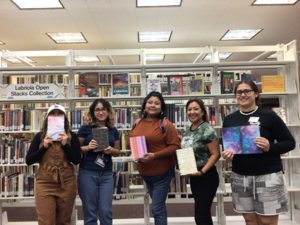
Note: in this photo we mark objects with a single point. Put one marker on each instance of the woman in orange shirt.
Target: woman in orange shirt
(157, 166)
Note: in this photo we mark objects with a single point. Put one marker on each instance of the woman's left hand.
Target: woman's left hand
(262, 143)
(63, 138)
(109, 150)
(147, 157)
(197, 174)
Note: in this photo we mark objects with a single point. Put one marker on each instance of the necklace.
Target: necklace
(247, 114)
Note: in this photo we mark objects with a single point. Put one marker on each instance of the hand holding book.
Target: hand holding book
(109, 151)
(47, 141)
(262, 143)
(147, 157)
(92, 145)
(63, 138)
(227, 155)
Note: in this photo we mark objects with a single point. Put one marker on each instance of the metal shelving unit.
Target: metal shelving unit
(286, 65)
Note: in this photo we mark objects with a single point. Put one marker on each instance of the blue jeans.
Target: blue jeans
(96, 192)
(158, 187)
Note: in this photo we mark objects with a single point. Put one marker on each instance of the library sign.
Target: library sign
(31, 91)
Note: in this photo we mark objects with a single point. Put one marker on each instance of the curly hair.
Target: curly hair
(45, 128)
(91, 120)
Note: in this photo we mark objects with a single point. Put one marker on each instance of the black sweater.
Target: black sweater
(272, 128)
(35, 153)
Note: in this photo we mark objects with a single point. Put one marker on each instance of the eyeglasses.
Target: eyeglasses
(246, 92)
(100, 110)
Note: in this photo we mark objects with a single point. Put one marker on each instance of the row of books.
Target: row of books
(14, 152)
(55, 78)
(17, 185)
(225, 110)
(124, 135)
(121, 185)
(196, 83)
(36, 79)
(102, 78)
(105, 78)
(30, 119)
(27, 119)
(21, 80)
(77, 118)
(124, 118)
(185, 77)
(105, 91)
(122, 181)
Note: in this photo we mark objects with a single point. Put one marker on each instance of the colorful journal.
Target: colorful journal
(56, 126)
(240, 140)
(138, 147)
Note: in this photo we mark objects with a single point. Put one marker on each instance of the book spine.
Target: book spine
(213, 116)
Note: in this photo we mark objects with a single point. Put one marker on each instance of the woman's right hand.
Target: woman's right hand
(227, 155)
(92, 145)
(47, 141)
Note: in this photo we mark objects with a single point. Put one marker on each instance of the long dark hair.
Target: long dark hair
(91, 120)
(202, 106)
(252, 86)
(162, 101)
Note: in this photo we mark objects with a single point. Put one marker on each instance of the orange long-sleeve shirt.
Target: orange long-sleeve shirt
(163, 145)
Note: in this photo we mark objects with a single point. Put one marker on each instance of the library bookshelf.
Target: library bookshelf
(286, 65)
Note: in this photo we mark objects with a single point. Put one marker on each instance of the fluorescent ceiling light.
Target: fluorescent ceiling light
(155, 57)
(15, 60)
(84, 59)
(221, 56)
(62, 38)
(155, 3)
(240, 34)
(154, 36)
(38, 4)
(274, 2)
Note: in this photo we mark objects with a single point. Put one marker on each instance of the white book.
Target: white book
(186, 161)
(153, 84)
(21, 184)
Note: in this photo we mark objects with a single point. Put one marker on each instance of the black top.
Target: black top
(272, 128)
(35, 153)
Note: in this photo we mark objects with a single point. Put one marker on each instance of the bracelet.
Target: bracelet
(201, 172)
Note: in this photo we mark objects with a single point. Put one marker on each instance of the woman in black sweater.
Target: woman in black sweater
(258, 190)
(55, 180)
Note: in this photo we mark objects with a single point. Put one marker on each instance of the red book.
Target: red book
(175, 86)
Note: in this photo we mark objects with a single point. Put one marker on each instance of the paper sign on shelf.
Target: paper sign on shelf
(31, 91)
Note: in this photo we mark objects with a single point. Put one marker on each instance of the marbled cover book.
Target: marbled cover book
(138, 147)
(56, 125)
(101, 136)
(186, 161)
(240, 140)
